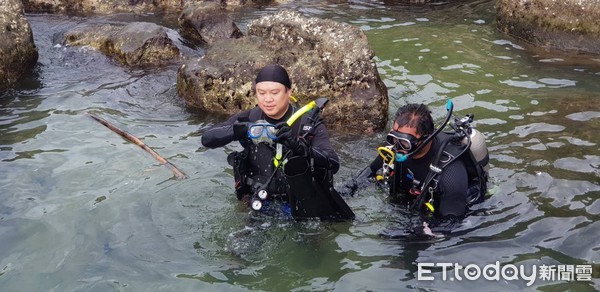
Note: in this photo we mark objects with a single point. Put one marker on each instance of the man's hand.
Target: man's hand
(364, 179)
(348, 188)
(286, 137)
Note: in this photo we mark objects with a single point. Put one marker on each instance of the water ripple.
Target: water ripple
(526, 130)
(589, 164)
(584, 116)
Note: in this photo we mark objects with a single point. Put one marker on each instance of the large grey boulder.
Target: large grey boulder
(324, 58)
(90, 6)
(17, 49)
(116, 6)
(208, 23)
(570, 26)
(134, 44)
(221, 81)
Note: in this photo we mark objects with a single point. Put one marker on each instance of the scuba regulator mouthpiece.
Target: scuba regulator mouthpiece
(401, 158)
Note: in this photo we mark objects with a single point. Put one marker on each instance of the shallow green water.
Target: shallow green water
(83, 209)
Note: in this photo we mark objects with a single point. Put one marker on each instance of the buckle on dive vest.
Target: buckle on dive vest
(435, 168)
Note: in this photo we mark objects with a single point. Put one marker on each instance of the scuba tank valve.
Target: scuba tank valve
(478, 147)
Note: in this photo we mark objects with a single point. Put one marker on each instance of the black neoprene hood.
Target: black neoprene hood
(274, 73)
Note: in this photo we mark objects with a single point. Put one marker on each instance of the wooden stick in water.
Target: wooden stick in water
(136, 141)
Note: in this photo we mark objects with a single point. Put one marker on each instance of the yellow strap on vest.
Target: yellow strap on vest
(306, 108)
(429, 206)
(278, 155)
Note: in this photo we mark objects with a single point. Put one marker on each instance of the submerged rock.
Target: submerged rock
(207, 24)
(323, 57)
(134, 44)
(570, 26)
(18, 52)
(90, 6)
(116, 6)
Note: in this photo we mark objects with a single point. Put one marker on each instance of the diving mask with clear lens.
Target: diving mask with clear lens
(261, 131)
(402, 141)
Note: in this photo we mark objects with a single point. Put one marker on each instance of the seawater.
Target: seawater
(82, 209)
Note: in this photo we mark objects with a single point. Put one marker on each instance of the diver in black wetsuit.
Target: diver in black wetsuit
(425, 168)
(287, 154)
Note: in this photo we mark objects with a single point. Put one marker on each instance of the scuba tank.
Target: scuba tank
(470, 135)
(478, 162)
(478, 149)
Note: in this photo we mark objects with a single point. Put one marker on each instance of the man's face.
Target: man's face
(273, 98)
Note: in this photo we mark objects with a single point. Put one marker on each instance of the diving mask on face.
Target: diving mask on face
(403, 142)
(261, 131)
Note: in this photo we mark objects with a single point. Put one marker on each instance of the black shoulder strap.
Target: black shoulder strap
(437, 166)
(475, 171)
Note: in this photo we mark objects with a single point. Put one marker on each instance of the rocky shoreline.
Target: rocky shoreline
(324, 57)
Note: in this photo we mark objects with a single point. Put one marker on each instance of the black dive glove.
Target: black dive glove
(348, 188)
(364, 179)
(240, 130)
(286, 137)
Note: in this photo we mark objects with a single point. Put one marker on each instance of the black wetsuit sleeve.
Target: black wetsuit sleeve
(322, 152)
(370, 170)
(454, 189)
(375, 165)
(363, 179)
(221, 134)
